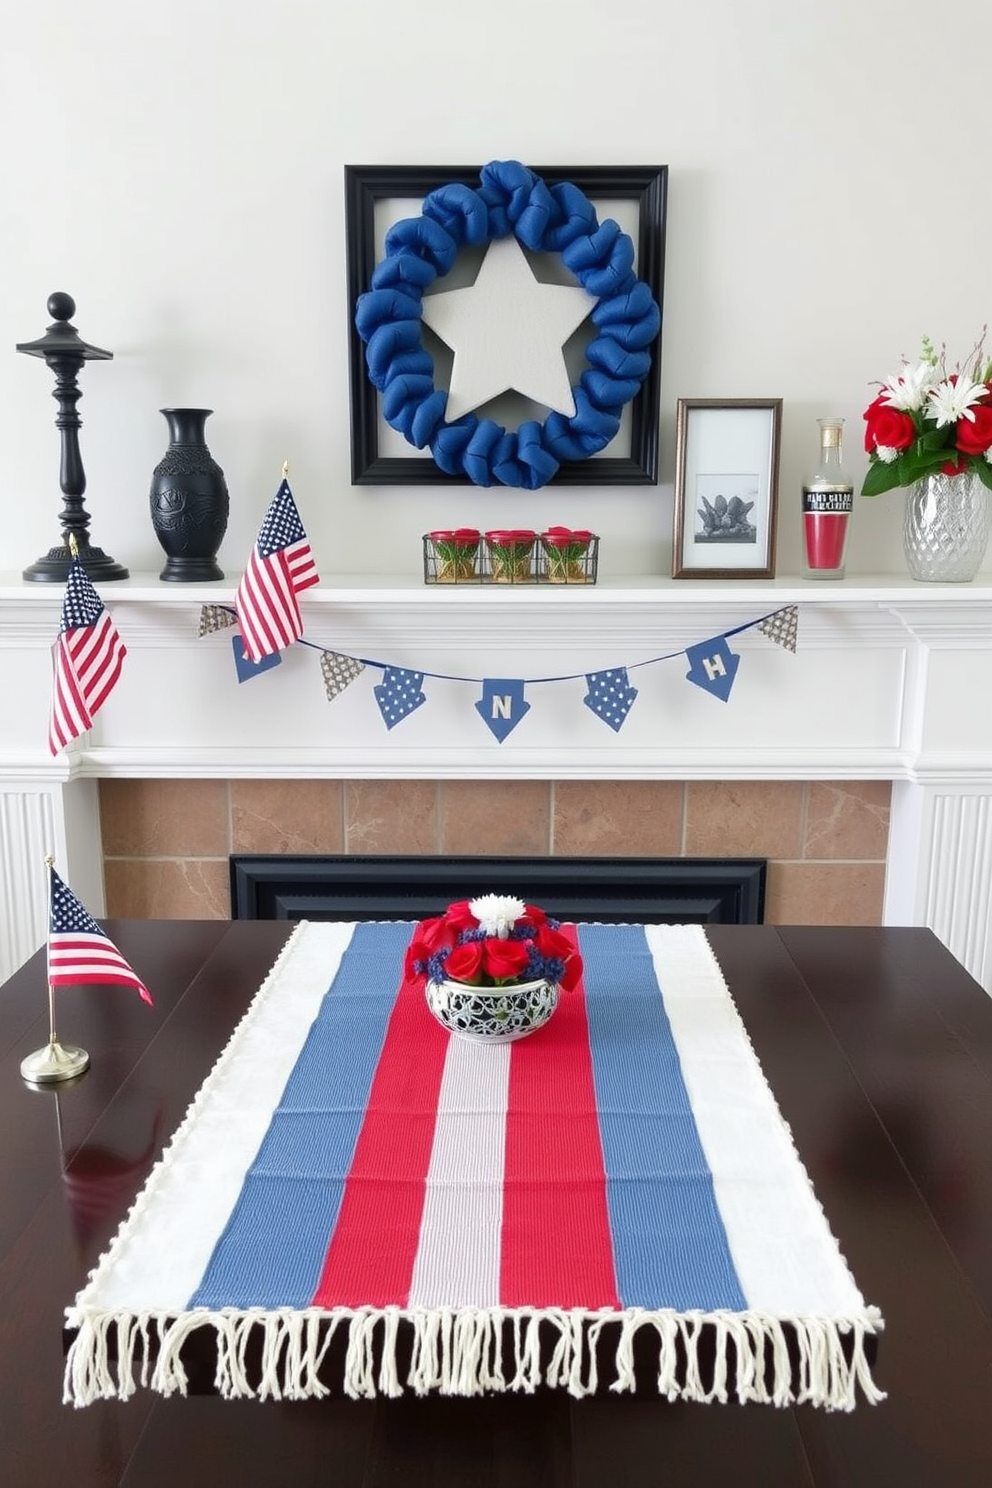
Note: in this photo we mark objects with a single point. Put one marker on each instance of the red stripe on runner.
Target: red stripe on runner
(371, 1253)
(557, 1250)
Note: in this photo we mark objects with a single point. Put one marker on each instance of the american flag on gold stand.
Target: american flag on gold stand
(280, 567)
(88, 655)
(79, 951)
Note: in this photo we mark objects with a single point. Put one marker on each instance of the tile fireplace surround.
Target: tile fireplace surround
(886, 692)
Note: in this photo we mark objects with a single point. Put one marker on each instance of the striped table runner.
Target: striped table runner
(349, 1165)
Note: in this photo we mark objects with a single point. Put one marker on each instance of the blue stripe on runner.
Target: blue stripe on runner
(273, 1246)
(669, 1241)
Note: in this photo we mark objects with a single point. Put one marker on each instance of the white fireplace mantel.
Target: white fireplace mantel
(889, 681)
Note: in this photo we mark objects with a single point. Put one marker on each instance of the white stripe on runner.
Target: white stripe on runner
(189, 1195)
(787, 1260)
(458, 1256)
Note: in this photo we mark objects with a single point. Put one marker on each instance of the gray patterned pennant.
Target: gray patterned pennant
(782, 627)
(215, 617)
(338, 672)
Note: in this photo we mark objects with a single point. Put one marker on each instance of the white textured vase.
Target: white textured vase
(946, 527)
(492, 1015)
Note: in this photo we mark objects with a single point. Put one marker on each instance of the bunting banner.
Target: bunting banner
(610, 694)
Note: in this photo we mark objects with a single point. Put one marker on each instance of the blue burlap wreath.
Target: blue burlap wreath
(546, 219)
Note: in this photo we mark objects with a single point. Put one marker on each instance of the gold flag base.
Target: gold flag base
(55, 1062)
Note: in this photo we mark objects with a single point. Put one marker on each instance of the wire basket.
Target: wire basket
(464, 556)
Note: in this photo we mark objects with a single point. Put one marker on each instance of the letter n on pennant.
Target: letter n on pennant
(502, 705)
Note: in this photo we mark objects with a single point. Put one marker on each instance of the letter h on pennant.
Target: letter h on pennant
(713, 666)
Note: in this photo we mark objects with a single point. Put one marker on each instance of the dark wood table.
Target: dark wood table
(878, 1046)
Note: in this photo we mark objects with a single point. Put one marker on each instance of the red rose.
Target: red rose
(975, 437)
(887, 426)
(553, 944)
(430, 934)
(464, 962)
(417, 949)
(869, 414)
(460, 917)
(556, 946)
(504, 958)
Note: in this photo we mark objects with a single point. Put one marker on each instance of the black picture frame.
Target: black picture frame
(365, 185)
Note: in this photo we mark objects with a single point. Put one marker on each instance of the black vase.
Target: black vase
(189, 500)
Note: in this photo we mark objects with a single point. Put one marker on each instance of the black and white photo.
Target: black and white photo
(726, 488)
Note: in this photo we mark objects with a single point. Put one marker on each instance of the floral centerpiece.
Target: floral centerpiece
(930, 430)
(492, 967)
(927, 419)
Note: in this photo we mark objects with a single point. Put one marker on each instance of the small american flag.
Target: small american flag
(88, 654)
(280, 567)
(79, 951)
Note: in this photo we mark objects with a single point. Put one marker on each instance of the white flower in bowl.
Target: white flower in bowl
(497, 913)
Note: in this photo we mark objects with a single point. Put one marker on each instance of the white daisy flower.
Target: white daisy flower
(950, 401)
(497, 913)
(909, 388)
(886, 453)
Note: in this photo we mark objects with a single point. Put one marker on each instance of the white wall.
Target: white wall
(178, 168)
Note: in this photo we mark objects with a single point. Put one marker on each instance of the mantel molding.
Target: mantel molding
(852, 702)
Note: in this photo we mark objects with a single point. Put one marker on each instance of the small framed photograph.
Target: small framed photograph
(726, 488)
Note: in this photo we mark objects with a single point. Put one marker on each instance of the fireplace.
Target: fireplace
(607, 890)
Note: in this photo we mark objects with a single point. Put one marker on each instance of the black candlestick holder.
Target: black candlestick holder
(65, 351)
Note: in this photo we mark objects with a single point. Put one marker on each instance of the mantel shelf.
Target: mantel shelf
(634, 589)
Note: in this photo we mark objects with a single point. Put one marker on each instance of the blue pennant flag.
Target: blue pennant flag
(610, 696)
(248, 668)
(398, 694)
(713, 666)
(502, 705)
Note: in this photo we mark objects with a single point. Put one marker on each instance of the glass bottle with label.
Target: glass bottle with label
(828, 500)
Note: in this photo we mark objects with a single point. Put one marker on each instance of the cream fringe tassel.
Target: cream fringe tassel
(460, 1352)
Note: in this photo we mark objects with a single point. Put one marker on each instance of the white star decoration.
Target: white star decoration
(507, 330)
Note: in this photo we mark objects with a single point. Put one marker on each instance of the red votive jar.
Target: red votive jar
(511, 551)
(828, 500)
(455, 551)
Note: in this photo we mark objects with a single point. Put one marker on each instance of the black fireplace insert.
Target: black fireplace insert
(607, 890)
